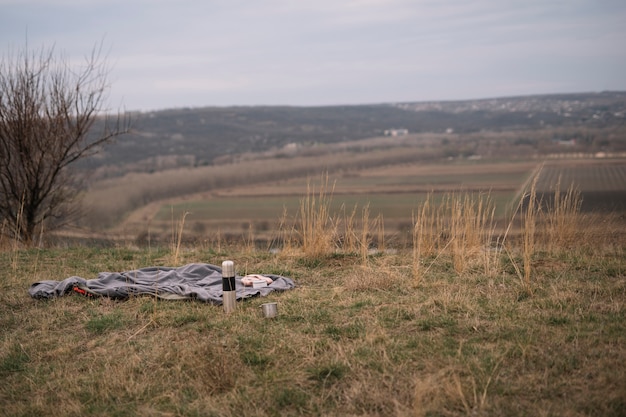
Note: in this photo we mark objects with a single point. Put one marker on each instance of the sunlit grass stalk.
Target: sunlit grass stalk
(422, 236)
(491, 248)
(39, 246)
(458, 234)
(365, 233)
(177, 237)
(380, 226)
(285, 233)
(249, 239)
(218, 238)
(18, 230)
(350, 240)
(432, 226)
(528, 220)
(528, 234)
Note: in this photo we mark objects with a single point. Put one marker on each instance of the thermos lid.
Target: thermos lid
(228, 269)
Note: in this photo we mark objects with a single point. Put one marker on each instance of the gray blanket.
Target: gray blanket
(193, 281)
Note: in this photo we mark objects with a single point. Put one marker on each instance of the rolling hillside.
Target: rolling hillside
(191, 137)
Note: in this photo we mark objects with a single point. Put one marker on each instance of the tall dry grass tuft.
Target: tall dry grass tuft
(563, 218)
(463, 224)
(316, 230)
(431, 237)
(528, 234)
(471, 228)
(422, 236)
(429, 226)
(460, 252)
(317, 227)
(472, 390)
(350, 242)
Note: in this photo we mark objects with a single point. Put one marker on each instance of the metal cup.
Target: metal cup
(269, 310)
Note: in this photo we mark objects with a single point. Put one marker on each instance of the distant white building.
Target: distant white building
(565, 142)
(396, 132)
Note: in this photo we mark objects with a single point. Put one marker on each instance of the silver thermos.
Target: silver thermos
(229, 297)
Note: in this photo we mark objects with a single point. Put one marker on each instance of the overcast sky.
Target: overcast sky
(192, 53)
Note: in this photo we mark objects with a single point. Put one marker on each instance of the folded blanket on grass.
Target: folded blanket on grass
(193, 281)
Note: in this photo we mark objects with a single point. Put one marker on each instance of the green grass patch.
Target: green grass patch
(15, 360)
(102, 323)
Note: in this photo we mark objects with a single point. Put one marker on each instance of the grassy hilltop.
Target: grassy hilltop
(466, 320)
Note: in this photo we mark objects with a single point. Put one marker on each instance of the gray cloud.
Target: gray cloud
(243, 52)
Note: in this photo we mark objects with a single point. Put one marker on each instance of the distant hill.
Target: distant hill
(201, 136)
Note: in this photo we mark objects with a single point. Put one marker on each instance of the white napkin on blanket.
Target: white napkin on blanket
(255, 280)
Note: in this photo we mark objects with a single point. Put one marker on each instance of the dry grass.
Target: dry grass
(471, 228)
(423, 236)
(529, 223)
(350, 239)
(462, 225)
(352, 339)
(563, 217)
(317, 231)
(317, 226)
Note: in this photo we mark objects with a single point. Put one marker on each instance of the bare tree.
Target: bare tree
(47, 114)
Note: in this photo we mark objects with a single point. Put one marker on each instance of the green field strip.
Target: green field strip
(390, 206)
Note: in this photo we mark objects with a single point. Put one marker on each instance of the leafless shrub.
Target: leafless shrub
(48, 111)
